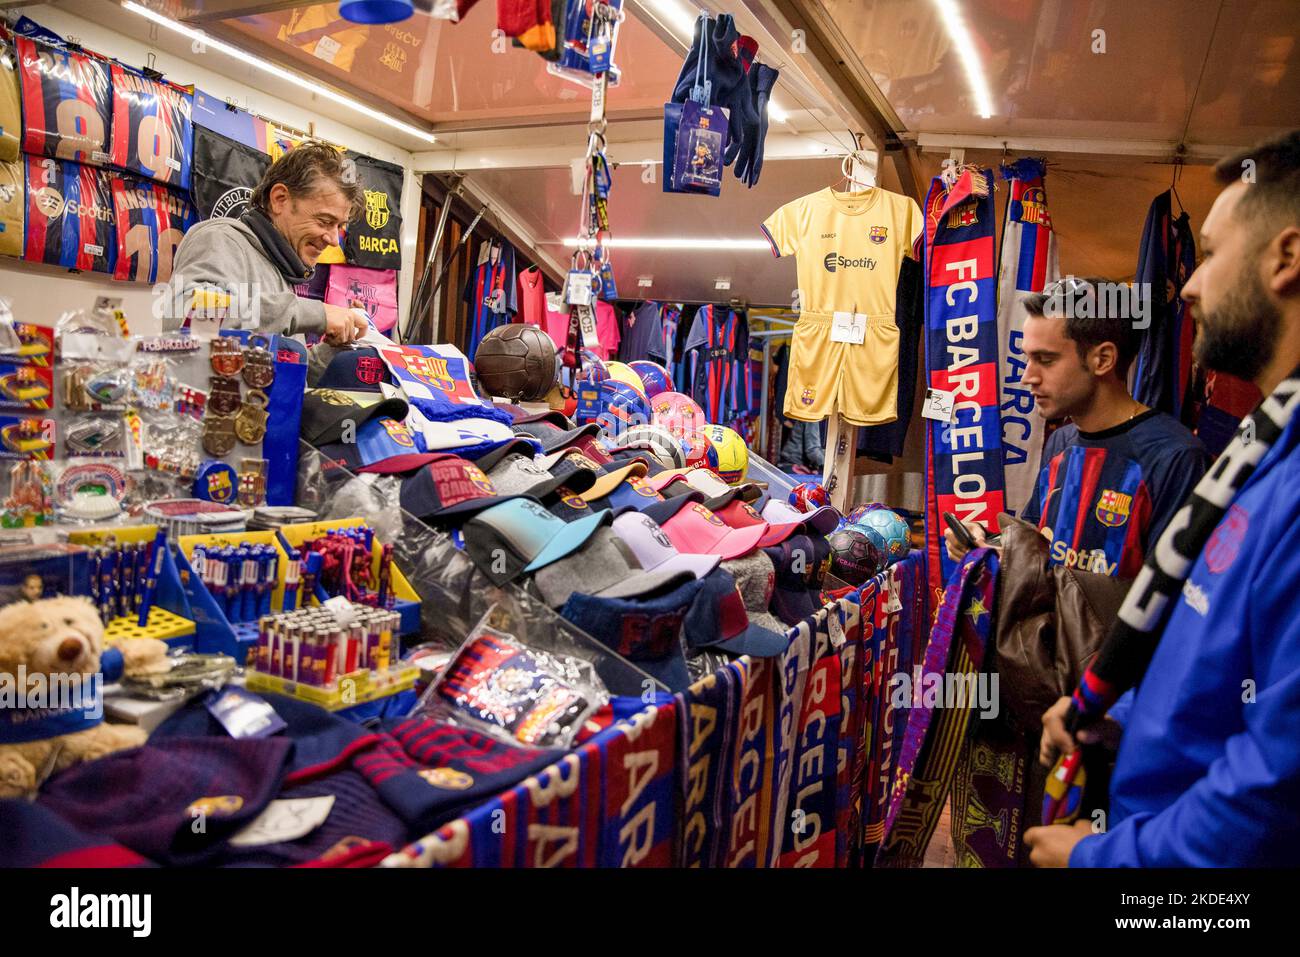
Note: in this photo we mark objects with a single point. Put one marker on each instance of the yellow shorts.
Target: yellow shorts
(859, 381)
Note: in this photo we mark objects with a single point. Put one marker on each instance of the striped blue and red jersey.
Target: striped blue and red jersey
(152, 127)
(70, 218)
(1106, 496)
(66, 102)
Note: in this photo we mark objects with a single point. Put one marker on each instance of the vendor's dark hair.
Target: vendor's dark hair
(1102, 322)
(1271, 170)
(302, 168)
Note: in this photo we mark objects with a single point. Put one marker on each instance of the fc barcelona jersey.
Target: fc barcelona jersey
(69, 216)
(1106, 496)
(149, 223)
(153, 133)
(65, 103)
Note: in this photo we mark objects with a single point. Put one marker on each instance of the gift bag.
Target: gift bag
(695, 133)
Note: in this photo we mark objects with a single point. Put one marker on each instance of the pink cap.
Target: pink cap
(740, 514)
(696, 530)
(654, 550)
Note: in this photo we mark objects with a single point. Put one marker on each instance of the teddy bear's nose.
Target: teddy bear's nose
(70, 649)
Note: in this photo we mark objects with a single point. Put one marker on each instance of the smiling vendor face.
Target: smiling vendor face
(310, 221)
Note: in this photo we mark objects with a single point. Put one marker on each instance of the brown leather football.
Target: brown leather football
(516, 361)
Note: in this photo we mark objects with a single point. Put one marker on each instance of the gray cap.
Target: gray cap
(605, 568)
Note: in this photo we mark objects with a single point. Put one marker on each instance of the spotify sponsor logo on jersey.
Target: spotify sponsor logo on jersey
(836, 261)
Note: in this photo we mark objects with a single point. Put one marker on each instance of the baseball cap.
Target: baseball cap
(567, 504)
(515, 446)
(707, 481)
(823, 520)
(632, 494)
(661, 512)
(448, 486)
(521, 536)
(326, 412)
(610, 476)
(740, 514)
(645, 631)
(653, 548)
(604, 567)
(697, 530)
(756, 581)
(382, 445)
(554, 416)
(517, 474)
(719, 620)
(791, 600)
(357, 370)
(553, 438)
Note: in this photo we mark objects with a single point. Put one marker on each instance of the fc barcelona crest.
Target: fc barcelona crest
(432, 371)
(1033, 207)
(376, 209)
(807, 397)
(964, 215)
(878, 234)
(1113, 508)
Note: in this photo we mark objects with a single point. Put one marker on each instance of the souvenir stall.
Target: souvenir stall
(573, 491)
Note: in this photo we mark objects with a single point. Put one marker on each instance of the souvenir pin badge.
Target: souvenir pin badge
(252, 482)
(223, 395)
(250, 423)
(219, 435)
(259, 364)
(226, 356)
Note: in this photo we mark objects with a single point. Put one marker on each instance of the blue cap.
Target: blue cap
(520, 536)
(647, 632)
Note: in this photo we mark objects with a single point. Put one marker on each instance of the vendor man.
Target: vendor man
(245, 269)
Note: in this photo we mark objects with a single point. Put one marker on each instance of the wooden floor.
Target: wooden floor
(940, 853)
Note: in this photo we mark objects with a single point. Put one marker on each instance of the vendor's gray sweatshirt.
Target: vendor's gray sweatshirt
(225, 255)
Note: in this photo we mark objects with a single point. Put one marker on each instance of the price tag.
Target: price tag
(850, 327)
(578, 289)
(894, 601)
(938, 405)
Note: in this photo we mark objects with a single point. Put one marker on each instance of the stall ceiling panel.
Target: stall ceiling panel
(458, 72)
(1217, 71)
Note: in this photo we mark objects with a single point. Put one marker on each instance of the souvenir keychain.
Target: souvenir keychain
(219, 436)
(259, 364)
(226, 356)
(250, 423)
(223, 395)
(252, 482)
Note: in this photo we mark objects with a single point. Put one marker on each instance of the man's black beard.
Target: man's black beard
(1240, 336)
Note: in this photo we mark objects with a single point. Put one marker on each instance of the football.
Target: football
(516, 361)
(891, 527)
(857, 554)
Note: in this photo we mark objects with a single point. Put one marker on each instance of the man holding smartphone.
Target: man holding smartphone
(1112, 478)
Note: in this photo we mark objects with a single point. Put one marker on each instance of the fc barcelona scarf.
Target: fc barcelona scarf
(963, 457)
(936, 734)
(708, 715)
(1029, 262)
(809, 834)
(1132, 640)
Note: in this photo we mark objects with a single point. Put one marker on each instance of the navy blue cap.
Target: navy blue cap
(718, 620)
(792, 601)
(647, 632)
(355, 370)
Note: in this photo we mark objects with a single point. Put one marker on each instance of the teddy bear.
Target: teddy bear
(53, 666)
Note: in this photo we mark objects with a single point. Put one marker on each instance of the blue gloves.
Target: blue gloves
(749, 155)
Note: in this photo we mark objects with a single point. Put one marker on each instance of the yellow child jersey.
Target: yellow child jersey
(848, 248)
